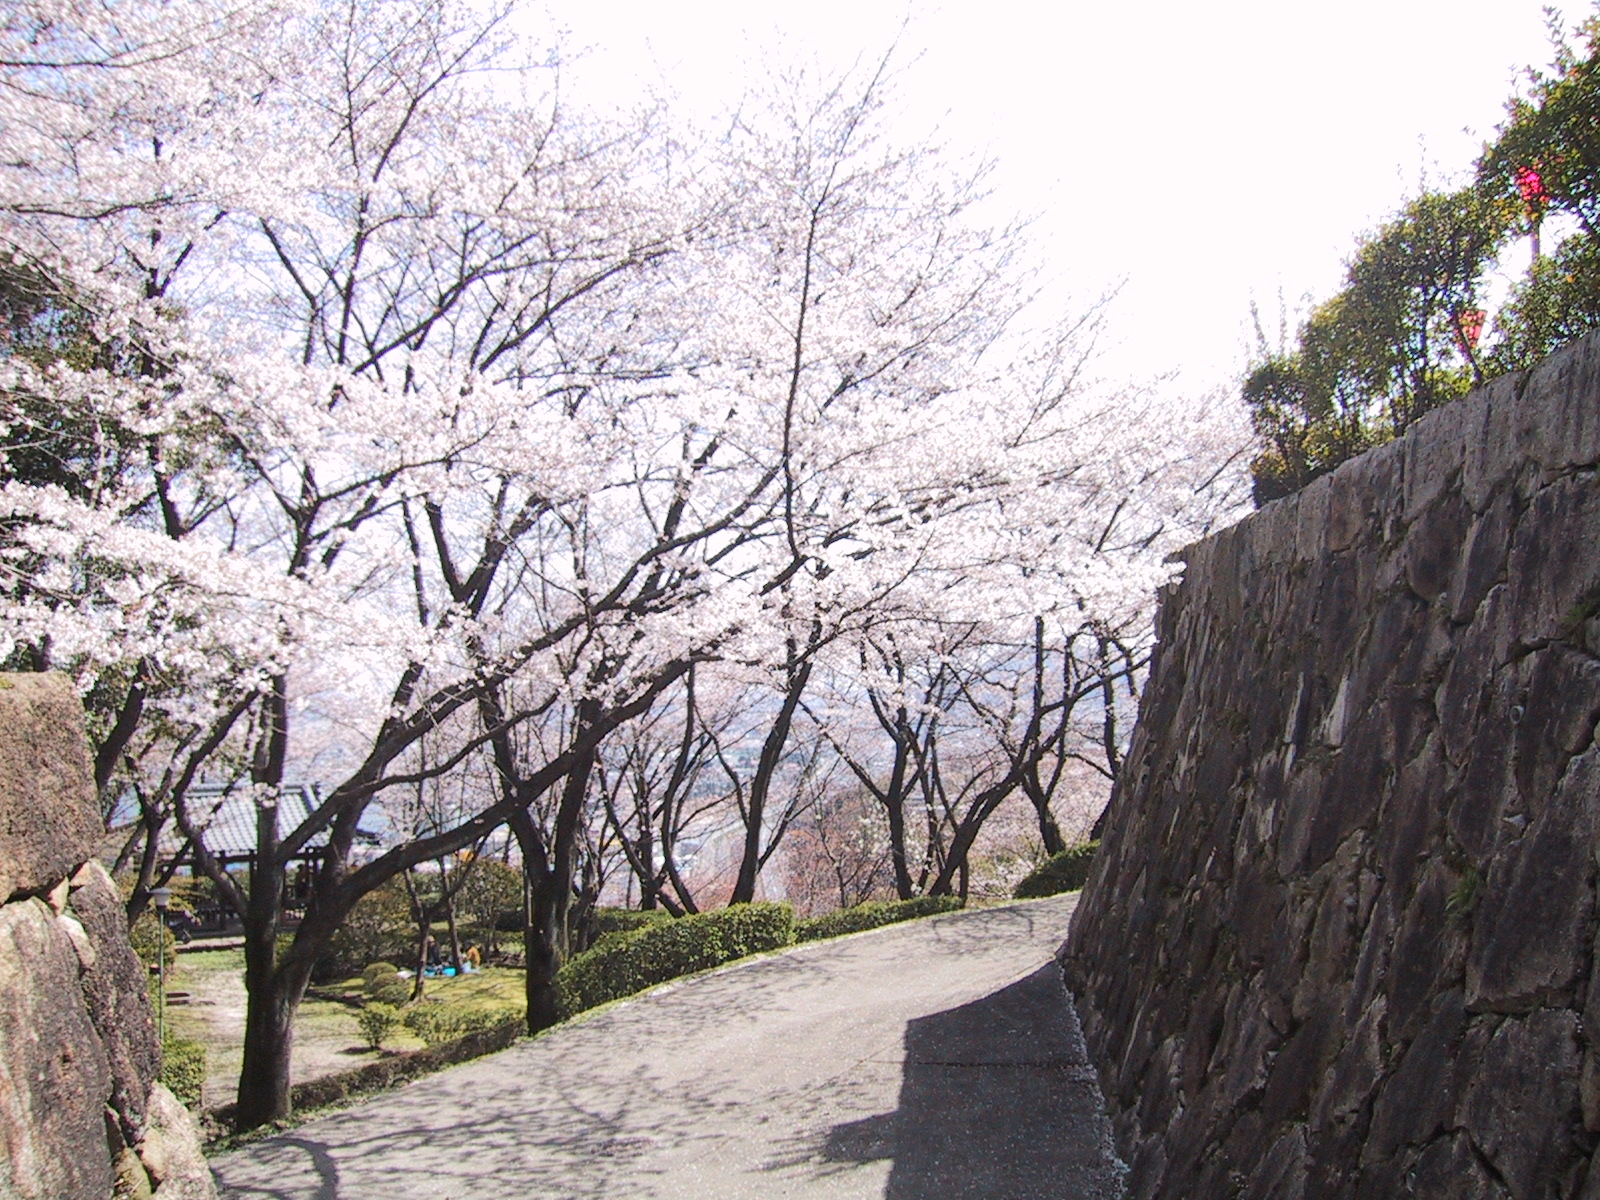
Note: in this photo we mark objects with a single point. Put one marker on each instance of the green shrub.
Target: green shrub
(376, 971)
(626, 920)
(1064, 872)
(433, 1023)
(437, 1024)
(378, 929)
(183, 1069)
(871, 915)
(626, 962)
(376, 1022)
(147, 934)
(389, 989)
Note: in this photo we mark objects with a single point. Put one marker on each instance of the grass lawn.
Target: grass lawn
(326, 1039)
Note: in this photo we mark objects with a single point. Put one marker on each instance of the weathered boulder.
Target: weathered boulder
(81, 1111)
(114, 987)
(54, 1076)
(49, 820)
(170, 1152)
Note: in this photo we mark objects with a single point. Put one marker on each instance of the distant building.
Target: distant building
(227, 820)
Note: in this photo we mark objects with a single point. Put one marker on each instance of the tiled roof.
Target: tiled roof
(228, 818)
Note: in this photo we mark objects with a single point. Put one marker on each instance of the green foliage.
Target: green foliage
(1064, 872)
(1463, 897)
(491, 889)
(1399, 340)
(377, 1020)
(625, 962)
(1557, 302)
(376, 971)
(626, 920)
(386, 987)
(378, 928)
(183, 1069)
(1553, 130)
(872, 915)
(147, 935)
(42, 324)
(437, 1024)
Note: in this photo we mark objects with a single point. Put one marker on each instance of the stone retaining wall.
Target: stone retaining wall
(1340, 939)
(81, 1113)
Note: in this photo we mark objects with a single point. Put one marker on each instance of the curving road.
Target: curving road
(939, 1058)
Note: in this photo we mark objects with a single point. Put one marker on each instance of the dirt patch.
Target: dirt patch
(326, 1040)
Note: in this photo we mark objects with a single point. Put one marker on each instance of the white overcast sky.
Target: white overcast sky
(1200, 154)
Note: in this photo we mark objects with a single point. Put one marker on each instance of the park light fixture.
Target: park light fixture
(161, 897)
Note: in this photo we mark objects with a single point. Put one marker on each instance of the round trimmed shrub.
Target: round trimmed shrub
(1064, 872)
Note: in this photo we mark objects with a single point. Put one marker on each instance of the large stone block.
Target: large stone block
(1523, 1105)
(1432, 452)
(1418, 1100)
(49, 818)
(1492, 452)
(1483, 558)
(1534, 917)
(1560, 705)
(1554, 567)
(1560, 408)
(54, 1077)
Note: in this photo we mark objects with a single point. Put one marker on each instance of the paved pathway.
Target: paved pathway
(939, 1058)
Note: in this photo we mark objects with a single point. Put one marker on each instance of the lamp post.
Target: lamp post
(161, 897)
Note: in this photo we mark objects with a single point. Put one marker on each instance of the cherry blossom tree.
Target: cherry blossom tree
(371, 419)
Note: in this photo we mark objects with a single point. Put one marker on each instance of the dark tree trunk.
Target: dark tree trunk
(903, 886)
(744, 888)
(538, 935)
(268, 1042)
(540, 944)
(419, 914)
(645, 853)
(894, 803)
(1049, 831)
(966, 833)
(272, 996)
(455, 934)
(550, 882)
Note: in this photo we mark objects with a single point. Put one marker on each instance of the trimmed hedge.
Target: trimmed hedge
(183, 1069)
(626, 920)
(438, 1024)
(872, 915)
(626, 962)
(386, 1072)
(1064, 872)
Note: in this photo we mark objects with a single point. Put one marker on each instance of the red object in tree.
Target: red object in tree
(1534, 194)
(1469, 328)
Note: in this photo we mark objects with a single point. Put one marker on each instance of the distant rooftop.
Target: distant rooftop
(227, 817)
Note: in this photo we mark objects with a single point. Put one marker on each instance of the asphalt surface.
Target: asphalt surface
(939, 1058)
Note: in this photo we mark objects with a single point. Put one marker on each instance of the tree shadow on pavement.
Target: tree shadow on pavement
(997, 1099)
(585, 1114)
(687, 1092)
